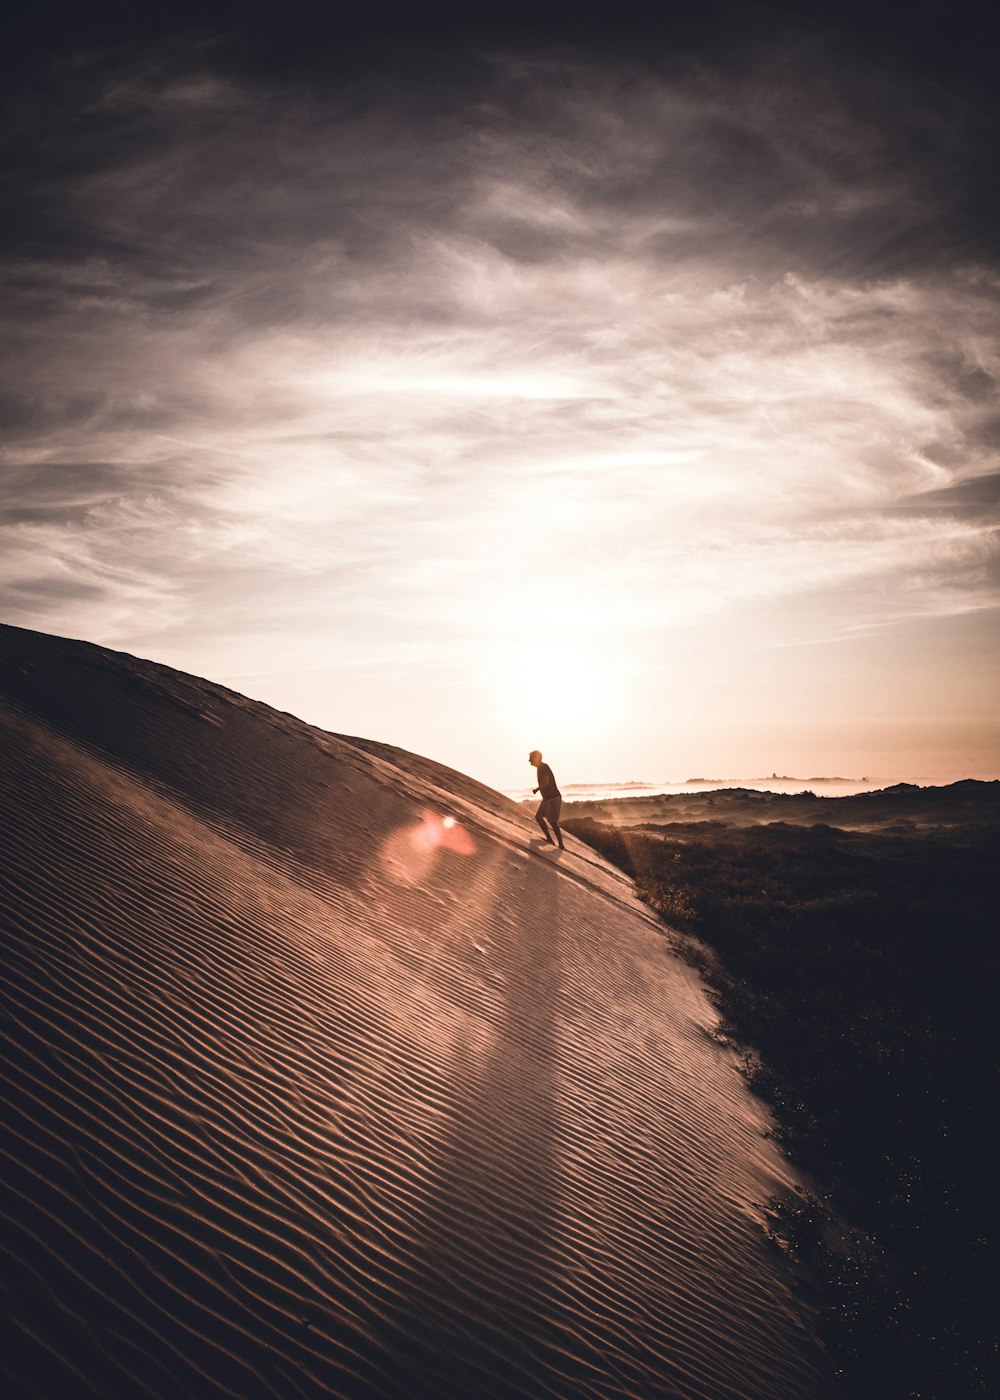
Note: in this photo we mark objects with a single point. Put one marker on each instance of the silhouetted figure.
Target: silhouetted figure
(551, 803)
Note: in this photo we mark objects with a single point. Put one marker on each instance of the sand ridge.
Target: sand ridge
(321, 1081)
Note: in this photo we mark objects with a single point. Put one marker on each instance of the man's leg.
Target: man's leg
(556, 809)
(541, 822)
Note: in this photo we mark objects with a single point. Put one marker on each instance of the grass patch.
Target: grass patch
(862, 970)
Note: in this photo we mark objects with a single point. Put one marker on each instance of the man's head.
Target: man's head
(534, 758)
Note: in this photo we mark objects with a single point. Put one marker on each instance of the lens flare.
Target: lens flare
(410, 853)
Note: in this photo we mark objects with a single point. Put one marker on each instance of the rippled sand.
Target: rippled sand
(323, 1080)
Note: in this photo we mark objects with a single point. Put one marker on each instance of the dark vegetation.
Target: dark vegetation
(905, 805)
(862, 969)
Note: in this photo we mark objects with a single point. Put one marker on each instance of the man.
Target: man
(551, 803)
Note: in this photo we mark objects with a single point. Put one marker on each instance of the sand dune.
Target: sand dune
(321, 1081)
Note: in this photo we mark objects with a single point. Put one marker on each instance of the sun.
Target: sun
(561, 690)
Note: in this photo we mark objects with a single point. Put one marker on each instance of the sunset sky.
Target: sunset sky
(623, 390)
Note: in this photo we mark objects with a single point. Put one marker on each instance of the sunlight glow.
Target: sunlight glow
(565, 687)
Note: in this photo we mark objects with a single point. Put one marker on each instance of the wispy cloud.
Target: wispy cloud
(629, 350)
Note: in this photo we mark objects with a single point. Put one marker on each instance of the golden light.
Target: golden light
(569, 689)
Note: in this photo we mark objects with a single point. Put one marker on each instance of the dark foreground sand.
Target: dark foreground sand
(320, 1081)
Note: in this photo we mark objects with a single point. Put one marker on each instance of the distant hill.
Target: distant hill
(969, 802)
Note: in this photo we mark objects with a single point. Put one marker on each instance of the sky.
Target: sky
(566, 380)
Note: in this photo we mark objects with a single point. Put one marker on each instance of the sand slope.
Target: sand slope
(320, 1082)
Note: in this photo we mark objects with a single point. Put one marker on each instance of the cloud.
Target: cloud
(629, 347)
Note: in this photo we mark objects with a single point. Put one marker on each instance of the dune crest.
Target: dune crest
(321, 1081)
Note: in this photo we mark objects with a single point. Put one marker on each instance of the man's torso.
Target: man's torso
(546, 782)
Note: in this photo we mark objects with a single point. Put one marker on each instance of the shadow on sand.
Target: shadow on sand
(477, 1316)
